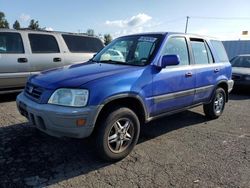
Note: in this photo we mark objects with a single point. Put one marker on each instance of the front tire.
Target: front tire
(215, 108)
(117, 134)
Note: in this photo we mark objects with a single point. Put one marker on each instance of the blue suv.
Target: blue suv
(133, 80)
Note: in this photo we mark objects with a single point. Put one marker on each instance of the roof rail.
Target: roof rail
(46, 31)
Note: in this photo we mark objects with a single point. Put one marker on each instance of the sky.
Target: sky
(223, 19)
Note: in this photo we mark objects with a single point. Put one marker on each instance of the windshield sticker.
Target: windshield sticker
(147, 39)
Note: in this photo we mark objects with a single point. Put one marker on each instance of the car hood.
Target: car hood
(241, 70)
(77, 75)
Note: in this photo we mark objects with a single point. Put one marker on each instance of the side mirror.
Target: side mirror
(168, 60)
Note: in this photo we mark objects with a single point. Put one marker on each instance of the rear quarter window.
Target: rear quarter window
(220, 50)
(78, 44)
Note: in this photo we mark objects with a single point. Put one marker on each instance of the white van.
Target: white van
(27, 52)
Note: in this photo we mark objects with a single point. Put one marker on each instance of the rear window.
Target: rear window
(78, 44)
(11, 43)
(41, 43)
(220, 50)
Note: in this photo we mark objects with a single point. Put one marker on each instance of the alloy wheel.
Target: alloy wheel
(120, 135)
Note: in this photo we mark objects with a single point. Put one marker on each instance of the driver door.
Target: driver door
(173, 86)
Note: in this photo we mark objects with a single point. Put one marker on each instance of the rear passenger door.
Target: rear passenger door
(205, 69)
(173, 86)
(45, 52)
(14, 65)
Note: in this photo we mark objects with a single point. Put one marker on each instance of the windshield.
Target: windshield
(241, 61)
(131, 50)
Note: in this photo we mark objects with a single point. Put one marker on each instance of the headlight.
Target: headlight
(70, 97)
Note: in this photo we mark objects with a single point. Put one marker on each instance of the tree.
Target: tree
(34, 25)
(91, 32)
(3, 22)
(16, 25)
(107, 39)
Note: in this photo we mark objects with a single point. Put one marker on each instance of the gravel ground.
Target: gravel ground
(183, 150)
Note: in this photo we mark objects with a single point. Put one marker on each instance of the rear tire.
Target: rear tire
(215, 108)
(117, 134)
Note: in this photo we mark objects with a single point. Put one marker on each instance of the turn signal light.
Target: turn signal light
(80, 122)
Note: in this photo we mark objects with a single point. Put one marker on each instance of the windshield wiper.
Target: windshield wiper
(92, 60)
(107, 61)
(113, 62)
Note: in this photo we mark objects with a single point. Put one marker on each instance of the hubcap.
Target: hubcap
(219, 103)
(120, 135)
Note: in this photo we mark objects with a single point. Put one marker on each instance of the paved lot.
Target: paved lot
(184, 150)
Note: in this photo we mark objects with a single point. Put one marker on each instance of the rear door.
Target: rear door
(45, 52)
(205, 69)
(173, 86)
(14, 65)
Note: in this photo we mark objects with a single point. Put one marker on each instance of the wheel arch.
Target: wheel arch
(223, 84)
(132, 101)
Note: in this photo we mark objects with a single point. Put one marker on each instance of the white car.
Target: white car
(113, 55)
(27, 52)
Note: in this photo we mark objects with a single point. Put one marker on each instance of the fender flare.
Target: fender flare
(122, 96)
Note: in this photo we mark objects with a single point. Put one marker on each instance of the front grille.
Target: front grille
(33, 91)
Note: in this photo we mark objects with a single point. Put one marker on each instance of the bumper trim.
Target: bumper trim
(230, 84)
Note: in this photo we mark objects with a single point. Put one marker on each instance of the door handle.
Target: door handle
(216, 70)
(57, 59)
(189, 74)
(22, 60)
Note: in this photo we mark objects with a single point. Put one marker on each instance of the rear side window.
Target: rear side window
(11, 43)
(220, 50)
(41, 43)
(201, 51)
(78, 44)
(177, 46)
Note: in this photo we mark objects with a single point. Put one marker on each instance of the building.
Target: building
(237, 47)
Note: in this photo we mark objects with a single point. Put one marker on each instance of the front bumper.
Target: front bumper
(59, 121)
(242, 82)
(241, 79)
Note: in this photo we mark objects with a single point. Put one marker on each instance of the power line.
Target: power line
(213, 18)
(174, 20)
(220, 18)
